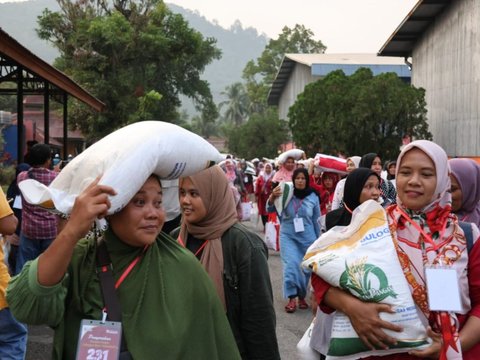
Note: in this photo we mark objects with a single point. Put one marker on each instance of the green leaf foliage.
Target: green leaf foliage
(358, 114)
(135, 56)
(236, 105)
(259, 136)
(260, 74)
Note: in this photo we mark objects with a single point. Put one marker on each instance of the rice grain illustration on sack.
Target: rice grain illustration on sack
(366, 281)
(361, 259)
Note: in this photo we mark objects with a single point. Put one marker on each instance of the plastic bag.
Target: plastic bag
(254, 215)
(304, 351)
(272, 232)
(246, 210)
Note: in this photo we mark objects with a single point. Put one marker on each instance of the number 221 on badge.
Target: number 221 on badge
(99, 340)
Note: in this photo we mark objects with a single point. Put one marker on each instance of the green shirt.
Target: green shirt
(170, 309)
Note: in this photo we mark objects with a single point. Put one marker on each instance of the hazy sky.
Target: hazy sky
(344, 26)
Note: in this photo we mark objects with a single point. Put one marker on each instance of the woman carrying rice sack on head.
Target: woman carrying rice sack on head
(234, 257)
(263, 189)
(155, 281)
(285, 172)
(352, 164)
(465, 178)
(299, 228)
(426, 234)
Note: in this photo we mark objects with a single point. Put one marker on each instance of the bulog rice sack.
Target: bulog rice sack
(282, 201)
(125, 159)
(361, 259)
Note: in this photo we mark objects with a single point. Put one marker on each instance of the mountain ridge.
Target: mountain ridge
(238, 44)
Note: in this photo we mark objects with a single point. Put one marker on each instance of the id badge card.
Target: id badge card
(298, 224)
(443, 289)
(99, 340)
(17, 203)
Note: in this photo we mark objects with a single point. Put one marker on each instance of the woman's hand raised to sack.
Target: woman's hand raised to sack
(92, 203)
(275, 194)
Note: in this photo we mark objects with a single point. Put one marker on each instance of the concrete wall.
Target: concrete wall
(446, 63)
(299, 78)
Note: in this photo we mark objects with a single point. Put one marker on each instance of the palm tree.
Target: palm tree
(237, 104)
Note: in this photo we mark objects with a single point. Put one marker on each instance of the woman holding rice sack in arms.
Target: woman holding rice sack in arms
(426, 235)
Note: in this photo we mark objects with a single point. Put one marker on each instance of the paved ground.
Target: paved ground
(290, 327)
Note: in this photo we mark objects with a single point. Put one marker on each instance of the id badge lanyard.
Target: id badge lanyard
(298, 221)
(437, 278)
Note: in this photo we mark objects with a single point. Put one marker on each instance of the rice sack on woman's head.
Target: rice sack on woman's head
(124, 160)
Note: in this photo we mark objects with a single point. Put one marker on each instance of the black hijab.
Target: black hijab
(367, 160)
(351, 197)
(301, 193)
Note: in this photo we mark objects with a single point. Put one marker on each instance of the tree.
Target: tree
(260, 136)
(136, 56)
(260, 74)
(358, 114)
(237, 104)
(205, 123)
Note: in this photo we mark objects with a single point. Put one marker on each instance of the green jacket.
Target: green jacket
(248, 293)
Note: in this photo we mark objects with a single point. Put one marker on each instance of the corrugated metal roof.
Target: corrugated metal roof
(17, 53)
(311, 60)
(349, 59)
(403, 39)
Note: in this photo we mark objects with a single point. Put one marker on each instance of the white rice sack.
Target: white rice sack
(282, 201)
(296, 154)
(125, 159)
(361, 259)
(305, 163)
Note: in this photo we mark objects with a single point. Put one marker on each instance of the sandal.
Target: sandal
(291, 306)
(302, 304)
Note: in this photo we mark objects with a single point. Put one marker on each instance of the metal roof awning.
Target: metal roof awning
(403, 39)
(35, 76)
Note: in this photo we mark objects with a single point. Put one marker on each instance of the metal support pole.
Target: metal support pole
(46, 112)
(20, 132)
(65, 125)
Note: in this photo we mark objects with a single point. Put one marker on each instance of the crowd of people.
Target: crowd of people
(186, 279)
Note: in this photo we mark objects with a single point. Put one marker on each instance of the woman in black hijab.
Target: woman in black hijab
(362, 184)
(373, 162)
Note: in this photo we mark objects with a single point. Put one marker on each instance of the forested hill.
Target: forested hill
(238, 45)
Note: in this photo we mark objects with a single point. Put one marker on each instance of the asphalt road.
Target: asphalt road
(290, 327)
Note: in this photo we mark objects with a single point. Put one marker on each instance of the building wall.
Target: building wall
(446, 63)
(299, 78)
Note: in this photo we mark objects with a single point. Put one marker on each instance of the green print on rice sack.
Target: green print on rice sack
(359, 278)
